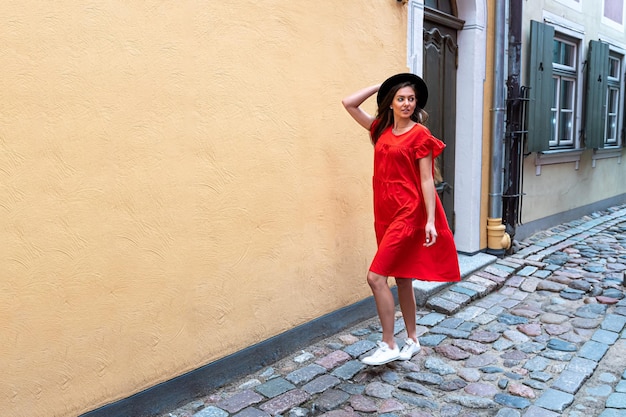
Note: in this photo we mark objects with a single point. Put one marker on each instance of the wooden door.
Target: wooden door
(440, 65)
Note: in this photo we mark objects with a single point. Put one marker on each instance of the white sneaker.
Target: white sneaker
(409, 349)
(382, 355)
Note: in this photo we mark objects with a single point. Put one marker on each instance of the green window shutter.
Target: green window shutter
(596, 91)
(539, 112)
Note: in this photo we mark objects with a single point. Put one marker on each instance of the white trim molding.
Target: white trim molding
(606, 154)
(415, 37)
(557, 157)
(472, 41)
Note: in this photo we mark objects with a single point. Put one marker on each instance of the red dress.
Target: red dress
(400, 212)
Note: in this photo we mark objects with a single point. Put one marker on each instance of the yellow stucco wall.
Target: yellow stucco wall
(178, 180)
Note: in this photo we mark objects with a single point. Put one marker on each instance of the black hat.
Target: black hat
(420, 85)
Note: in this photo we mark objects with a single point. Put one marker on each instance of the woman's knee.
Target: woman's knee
(376, 281)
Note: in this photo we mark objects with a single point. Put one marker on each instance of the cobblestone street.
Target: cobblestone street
(540, 333)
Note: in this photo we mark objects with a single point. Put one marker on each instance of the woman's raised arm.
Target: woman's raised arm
(353, 102)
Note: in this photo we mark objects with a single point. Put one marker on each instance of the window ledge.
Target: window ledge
(557, 157)
(605, 154)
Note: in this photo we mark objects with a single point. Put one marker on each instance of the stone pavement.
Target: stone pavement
(540, 333)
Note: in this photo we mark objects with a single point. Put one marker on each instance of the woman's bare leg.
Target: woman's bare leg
(385, 305)
(406, 297)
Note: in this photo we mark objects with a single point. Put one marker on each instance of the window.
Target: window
(553, 114)
(563, 126)
(604, 97)
(613, 100)
(562, 118)
(614, 10)
(604, 102)
(446, 6)
(613, 14)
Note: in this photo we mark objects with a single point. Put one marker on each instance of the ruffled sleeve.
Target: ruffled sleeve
(427, 143)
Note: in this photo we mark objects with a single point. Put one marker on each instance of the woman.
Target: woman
(413, 236)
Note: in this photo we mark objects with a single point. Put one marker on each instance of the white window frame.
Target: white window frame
(613, 101)
(615, 84)
(612, 23)
(564, 73)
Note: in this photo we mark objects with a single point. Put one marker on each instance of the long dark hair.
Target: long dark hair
(384, 114)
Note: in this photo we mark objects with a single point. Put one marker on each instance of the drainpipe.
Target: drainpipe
(497, 239)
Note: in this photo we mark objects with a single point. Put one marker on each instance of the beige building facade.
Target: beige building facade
(577, 169)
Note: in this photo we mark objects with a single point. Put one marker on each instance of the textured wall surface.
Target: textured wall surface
(178, 180)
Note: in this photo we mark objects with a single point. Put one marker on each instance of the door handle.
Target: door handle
(443, 186)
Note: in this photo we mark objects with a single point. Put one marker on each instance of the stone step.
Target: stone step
(468, 265)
